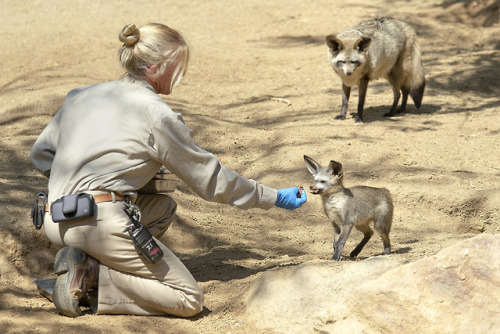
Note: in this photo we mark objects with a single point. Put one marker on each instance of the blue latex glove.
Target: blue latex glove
(287, 198)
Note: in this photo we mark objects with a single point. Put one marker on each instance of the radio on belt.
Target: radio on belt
(141, 236)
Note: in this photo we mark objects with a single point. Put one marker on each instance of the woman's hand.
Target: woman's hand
(291, 198)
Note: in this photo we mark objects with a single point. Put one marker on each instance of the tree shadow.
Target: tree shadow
(482, 76)
(291, 41)
(259, 119)
(218, 263)
(483, 14)
(213, 266)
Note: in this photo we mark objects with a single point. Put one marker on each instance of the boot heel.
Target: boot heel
(65, 302)
(61, 261)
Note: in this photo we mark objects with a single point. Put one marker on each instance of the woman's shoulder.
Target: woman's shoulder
(135, 95)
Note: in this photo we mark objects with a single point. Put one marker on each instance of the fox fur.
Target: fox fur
(379, 48)
(351, 207)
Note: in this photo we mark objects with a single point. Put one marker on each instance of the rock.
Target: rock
(294, 299)
(455, 291)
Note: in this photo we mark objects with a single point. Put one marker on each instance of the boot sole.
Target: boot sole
(64, 264)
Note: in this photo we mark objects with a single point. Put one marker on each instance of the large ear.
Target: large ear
(333, 43)
(311, 165)
(363, 43)
(335, 168)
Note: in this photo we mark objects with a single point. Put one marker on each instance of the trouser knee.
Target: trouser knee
(195, 307)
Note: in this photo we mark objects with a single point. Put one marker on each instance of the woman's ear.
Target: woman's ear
(151, 72)
(152, 78)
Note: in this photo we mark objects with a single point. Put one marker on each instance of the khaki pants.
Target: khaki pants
(128, 283)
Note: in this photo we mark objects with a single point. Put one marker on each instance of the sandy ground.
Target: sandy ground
(260, 94)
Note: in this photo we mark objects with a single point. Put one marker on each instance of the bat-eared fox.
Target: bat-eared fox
(378, 48)
(351, 207)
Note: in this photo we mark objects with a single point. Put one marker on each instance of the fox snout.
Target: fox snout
(348, 67)
(314, 190)
(348, 70)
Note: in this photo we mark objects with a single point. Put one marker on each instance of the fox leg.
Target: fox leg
(398, 86)
(397, 95)
(346, 92)
(336, 236)
(342, 238)
(402, 108)
(363, 87)
(383, 231)
(367, 232)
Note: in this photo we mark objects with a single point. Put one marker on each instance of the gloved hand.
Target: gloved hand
(287, 198)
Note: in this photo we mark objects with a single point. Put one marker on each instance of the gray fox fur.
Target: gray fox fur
(351, 207)
(379, 48)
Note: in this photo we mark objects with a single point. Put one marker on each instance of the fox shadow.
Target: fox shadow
(376, 113)
(401, 250)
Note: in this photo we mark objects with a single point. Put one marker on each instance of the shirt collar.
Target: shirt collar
(128, 78)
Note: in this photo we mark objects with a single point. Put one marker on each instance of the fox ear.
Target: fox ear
(311, 165)
(335, 168)
(363, 43)
(333, 43)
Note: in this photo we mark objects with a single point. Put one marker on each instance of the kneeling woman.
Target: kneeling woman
(108, 140)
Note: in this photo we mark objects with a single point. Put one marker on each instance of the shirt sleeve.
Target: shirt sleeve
(43, 151)
(172, 143)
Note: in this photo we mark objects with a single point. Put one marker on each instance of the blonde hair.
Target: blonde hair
(153, 44)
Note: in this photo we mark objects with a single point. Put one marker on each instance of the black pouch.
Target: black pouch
(38, 211)
(72, 207)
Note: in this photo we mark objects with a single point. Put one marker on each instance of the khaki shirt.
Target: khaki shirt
(115, 136)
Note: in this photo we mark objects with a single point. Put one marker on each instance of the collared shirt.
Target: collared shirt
(115, 136)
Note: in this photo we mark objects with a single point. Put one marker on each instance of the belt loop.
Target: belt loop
(113, 196)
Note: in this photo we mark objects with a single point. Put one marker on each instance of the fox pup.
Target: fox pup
(378, 48)
(357, 206)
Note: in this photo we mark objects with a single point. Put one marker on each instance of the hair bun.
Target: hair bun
(130, 35)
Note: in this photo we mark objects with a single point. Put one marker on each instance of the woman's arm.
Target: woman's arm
(43, 151)
(202, 171)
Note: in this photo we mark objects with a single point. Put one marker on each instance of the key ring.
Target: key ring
(133, 210)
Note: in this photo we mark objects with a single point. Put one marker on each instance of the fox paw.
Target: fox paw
(340, 117)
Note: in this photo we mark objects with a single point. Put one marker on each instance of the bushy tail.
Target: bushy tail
(417, 77)
(417, 94)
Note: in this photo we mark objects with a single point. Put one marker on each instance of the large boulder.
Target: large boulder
(455, 291)
(302, 298)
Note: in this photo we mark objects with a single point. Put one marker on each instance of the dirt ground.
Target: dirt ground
(260, 94)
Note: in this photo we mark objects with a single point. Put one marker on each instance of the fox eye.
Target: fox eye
(322, 181)
(356, 63)
(340, 62)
